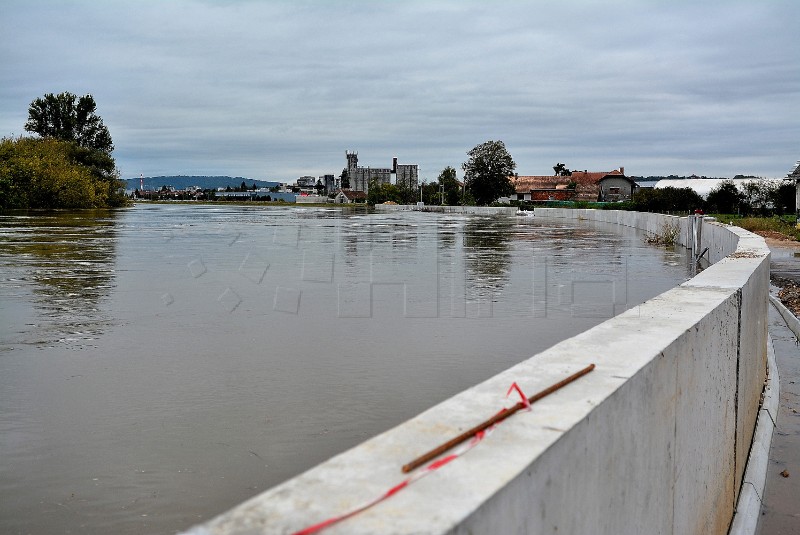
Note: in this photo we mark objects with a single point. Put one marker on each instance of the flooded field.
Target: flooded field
(162, 363)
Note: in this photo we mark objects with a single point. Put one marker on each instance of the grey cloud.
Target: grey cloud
(280, 88)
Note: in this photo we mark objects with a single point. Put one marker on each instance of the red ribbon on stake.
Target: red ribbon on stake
(476, 435)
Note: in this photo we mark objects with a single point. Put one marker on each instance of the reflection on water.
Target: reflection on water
(487, 256)
(66, 259)
(233, 347)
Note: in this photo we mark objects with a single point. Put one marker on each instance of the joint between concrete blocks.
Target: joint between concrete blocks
(736, 460)
(745, 482)
(774, 418)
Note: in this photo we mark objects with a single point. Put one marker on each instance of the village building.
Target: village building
(406, 175)
(615, 188)
(360, 178)
(345, 196)
(578, 186)
(330, 183)
(795, 176)
(310, 198)
(306, 182)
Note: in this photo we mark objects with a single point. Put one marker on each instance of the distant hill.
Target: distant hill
(203, 182)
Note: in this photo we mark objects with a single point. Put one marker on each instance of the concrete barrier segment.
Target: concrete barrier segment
(748, 509)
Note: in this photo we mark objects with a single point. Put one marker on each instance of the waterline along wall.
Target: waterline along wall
(474, 210)
(654, 440)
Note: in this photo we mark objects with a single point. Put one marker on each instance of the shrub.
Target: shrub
(667, 199)
(667, 235)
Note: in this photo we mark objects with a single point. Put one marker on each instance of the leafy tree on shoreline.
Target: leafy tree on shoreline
(73, 119)
(69, 118)
(488, 172)
(68, 166)
(452, 188)
(380, 193)
(42, 173)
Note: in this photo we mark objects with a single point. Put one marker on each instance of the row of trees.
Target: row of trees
(68, 166)
(757, 197)
(664, 200)
(446, 190)
(761, 198)
(487, 177)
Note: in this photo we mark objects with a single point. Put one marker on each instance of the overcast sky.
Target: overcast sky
(280, 89)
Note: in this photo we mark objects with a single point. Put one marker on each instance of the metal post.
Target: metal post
(700, 218)
(696, 235)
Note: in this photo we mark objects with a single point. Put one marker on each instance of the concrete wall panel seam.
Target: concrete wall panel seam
(745, 520)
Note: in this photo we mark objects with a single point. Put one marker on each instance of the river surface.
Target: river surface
(162, 363)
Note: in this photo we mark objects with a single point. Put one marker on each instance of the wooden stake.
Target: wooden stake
(499, 417)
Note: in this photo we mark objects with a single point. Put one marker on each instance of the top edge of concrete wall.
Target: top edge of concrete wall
(650, 441)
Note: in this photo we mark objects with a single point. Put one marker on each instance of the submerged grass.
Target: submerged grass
(785, 225)
(666, 236)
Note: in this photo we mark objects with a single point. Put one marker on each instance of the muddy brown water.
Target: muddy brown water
(162, 363)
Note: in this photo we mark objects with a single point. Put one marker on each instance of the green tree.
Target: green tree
(452, 188)
(430, 193)
(72, 119)
(784, 198)
(561, 170)
(725, 198)
(69, 118)
(406, 193)
(667, 199)
(41, 173)
(99, 163)
(380, 193)
(758, 196)
(488, 172)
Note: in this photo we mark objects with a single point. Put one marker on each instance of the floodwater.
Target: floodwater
(162, 363)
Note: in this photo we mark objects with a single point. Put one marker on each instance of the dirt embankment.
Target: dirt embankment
(789, 294)
(771, 235)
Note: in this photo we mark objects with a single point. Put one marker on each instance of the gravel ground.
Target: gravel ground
(789, 293)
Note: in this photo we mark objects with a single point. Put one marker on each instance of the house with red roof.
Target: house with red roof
(344, 196)
(579, 186)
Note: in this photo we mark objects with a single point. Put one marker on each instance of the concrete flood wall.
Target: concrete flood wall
(654, 440)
